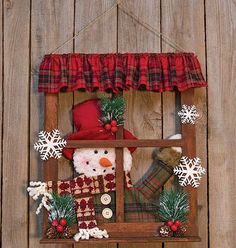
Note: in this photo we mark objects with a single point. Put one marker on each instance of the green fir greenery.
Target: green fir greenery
(112, 109)
(62, 207)
(173, 205)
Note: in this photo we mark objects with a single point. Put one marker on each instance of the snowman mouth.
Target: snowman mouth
(104, 171)
(96, 170)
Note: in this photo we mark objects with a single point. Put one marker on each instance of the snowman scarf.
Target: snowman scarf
(83, 188)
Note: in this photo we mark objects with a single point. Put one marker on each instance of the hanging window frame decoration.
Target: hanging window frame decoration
(116, 73)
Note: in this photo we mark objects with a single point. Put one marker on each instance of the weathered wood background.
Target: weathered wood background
(32, 28)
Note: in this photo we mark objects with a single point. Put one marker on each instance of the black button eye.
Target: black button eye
(87, 162)
(105, 152)
(95, 151)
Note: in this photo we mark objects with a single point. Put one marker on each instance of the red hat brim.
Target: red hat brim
(97, 133)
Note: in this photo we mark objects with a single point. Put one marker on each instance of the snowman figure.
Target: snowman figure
(99, 161)
(96, 168)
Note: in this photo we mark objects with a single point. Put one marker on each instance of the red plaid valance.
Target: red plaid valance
(113, 72)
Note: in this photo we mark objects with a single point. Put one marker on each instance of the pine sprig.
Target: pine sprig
(62, 207)
(112, 109)
(173, 205)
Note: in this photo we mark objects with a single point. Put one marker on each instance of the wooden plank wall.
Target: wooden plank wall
(31, 28)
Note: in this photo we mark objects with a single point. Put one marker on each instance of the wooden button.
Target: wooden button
(105, 199)
(107, 213)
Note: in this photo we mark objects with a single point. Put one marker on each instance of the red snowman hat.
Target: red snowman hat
(86, 117)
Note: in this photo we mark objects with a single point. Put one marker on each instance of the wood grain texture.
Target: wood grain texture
(136, 233)
(50, 166)
(125, 143)
(51, 24)
(170, 124)
(15, 124)
(101, 37)
(128, 241)
(221, 57)
(1, 108)
(189, 150)
(143, 115)
(65, 126)
(120, 188)
(183, 22)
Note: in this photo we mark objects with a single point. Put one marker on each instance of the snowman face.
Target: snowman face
(98, 161)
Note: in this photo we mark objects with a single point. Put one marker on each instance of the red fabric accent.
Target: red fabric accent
(84, 205)
(113, 72)
(92, 225)
(83, 225)
(79, 182)
(86, 117)
(64, 185)
(109, 177)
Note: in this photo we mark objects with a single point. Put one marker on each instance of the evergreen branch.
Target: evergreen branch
(173, 205)
(112, 109)
(62, 207)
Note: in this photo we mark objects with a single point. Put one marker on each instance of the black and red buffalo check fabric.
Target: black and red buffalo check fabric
(114, 72)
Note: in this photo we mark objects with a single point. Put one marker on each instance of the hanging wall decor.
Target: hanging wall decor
(102, 201)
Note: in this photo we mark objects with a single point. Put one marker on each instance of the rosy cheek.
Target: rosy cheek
(85, 162)
(113, 158)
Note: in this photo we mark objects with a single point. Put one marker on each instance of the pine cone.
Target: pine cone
(165, 231)
(180, 231)
(67, 234)
(51, 233)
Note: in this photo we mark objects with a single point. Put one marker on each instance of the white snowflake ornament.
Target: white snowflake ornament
(189, 171)
(188, 114)
(50, 144)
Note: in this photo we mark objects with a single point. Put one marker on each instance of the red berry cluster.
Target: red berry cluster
(59, 225)
(174, 225)
(112, 126)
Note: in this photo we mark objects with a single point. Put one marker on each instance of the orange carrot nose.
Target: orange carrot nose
(104, 162)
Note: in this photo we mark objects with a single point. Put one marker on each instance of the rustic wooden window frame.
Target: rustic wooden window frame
(121, 232)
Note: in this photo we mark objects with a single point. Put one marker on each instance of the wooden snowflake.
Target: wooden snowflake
(188, 114)
(50, 144)
(189, 171)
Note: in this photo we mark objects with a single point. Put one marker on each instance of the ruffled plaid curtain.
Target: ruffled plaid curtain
(113, 72)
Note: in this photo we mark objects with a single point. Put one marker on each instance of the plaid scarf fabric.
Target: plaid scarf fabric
(83, 188)
(140, 199)
(113, 72)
